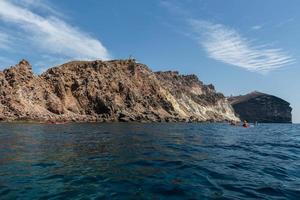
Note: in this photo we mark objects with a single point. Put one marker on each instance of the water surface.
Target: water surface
(149, 161)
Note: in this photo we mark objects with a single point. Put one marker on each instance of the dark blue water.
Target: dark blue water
(149, 161)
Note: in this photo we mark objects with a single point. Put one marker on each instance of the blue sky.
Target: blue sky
(239, 46)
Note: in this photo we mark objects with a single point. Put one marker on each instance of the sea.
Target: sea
(149, 161)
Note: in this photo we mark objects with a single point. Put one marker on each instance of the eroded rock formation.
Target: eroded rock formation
(260, 107)
(118, 90)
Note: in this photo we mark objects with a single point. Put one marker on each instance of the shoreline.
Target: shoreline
(107, 121)
(125, 122)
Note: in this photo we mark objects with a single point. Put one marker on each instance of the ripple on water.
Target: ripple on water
(149, 161)
(44, 165)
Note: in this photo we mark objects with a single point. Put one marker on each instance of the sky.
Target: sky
(238, 46)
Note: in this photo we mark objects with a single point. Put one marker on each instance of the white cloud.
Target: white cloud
(227, 45)
(50, 35)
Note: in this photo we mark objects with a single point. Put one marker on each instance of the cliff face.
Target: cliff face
(262, 107)
(119, 90)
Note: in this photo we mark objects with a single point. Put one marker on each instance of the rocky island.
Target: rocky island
(261, 107)
(117, 90)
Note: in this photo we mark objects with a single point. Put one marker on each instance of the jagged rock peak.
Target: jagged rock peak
(18, 74)
(24, 62)
(24, 66)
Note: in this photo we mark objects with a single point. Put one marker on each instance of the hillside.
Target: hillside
(117, 90)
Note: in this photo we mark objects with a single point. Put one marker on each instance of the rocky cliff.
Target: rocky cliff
(260, 107)
(117, 90)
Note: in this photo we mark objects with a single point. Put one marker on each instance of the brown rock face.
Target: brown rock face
(260, 107)
(118, 90)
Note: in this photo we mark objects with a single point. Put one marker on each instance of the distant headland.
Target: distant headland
(261, 107)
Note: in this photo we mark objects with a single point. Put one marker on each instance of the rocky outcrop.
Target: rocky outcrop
(260, 107)
(117, 90)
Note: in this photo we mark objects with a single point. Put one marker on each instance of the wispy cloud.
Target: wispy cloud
(285, 22)
(4, 62)
(43, 5)
(49, 34)
(257, 27)
(175, 8)
(5, 41)
(225, 44)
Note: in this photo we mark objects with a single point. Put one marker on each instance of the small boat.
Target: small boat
(245, 124)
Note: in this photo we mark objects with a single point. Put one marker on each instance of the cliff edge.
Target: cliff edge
(117, 90)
